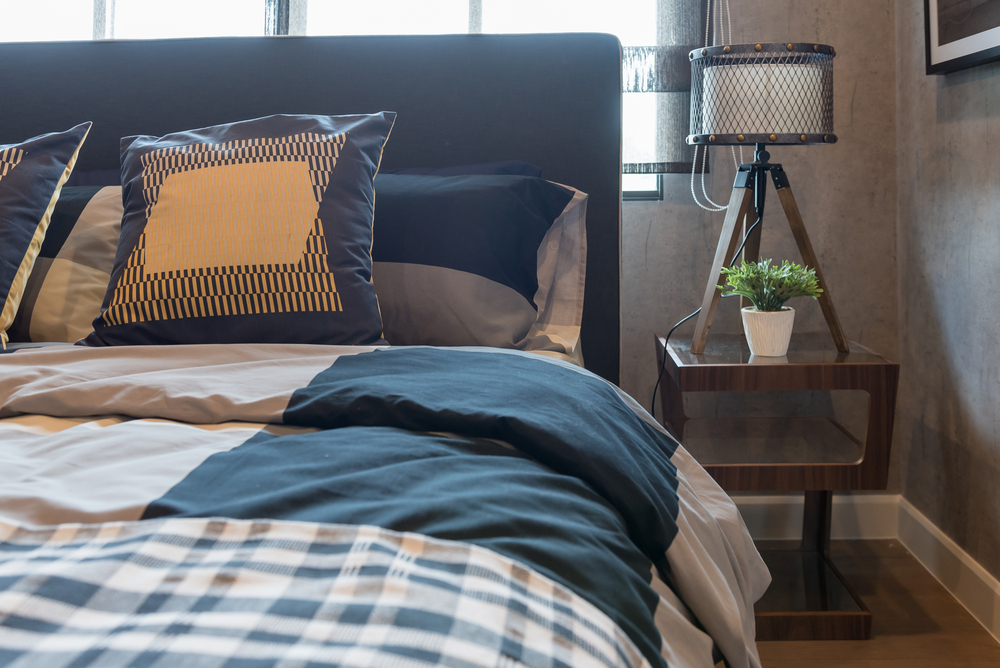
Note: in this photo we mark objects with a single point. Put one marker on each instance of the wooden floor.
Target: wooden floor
(916, 623)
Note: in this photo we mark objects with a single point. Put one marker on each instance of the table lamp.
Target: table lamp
(761, 94)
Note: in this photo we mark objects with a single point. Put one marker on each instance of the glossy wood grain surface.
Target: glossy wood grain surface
(812, 363)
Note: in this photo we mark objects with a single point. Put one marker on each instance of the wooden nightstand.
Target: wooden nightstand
(808, 599)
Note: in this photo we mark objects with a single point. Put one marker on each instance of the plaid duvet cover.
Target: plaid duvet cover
(217, 592)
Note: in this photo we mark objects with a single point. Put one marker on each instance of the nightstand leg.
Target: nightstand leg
(816, 522)
(833, 611)
(671, 397)
(672, 406)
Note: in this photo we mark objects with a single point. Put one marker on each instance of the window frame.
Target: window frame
(653, 195)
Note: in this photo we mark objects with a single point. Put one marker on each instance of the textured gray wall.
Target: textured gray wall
(846, 192)
(948, 421)
(915, 172)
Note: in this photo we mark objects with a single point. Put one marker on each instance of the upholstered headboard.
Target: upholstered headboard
(551, 100)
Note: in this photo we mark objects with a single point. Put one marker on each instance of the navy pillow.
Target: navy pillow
(509, 167)
(457, 257)
(95, 177)
(32, 173)
(250, 232)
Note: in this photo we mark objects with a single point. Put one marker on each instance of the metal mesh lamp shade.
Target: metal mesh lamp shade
(762, 94)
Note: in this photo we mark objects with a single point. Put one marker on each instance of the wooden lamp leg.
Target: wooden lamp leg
(808, 255)
(729, 241)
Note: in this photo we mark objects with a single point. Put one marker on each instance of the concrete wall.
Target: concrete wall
(846, 192)
(948, 420)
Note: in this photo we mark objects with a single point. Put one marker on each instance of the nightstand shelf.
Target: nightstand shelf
(814, 454)
(770, 440)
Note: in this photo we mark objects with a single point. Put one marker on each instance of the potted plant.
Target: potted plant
(768, 323)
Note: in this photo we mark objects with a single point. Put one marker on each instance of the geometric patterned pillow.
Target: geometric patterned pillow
(71, 274)
(32, 174)
(252, 232)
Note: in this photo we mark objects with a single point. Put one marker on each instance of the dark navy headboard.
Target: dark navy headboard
(551, 100)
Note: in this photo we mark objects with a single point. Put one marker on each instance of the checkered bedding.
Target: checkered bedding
(217, 592)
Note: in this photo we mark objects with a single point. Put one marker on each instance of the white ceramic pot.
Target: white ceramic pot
(768, 332)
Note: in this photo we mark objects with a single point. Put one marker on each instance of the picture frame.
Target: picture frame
(960, 34)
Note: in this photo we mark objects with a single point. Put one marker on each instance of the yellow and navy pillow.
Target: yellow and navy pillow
(252, 232)
(31, 175)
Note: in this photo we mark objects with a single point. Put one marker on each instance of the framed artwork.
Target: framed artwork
(961, 33)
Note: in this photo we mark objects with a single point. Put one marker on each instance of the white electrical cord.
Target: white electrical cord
(712, 206)
(719, 6)
(708, 18)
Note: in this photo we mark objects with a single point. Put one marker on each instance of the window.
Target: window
(634, 22)
(142, 19)
(45, 20)
(387, 17)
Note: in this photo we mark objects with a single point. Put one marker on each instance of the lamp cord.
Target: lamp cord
(666, 340)
(708, 20)
(712, 206)
(719, 6)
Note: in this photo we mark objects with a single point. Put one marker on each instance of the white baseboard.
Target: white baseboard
(854, 516)
(970, 583)
(880, 516)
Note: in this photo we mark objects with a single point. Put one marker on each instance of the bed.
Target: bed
(402, 447)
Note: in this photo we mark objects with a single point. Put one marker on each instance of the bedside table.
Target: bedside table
(808, 598)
